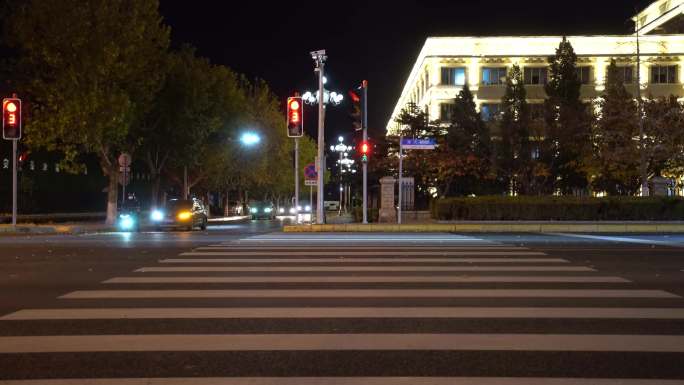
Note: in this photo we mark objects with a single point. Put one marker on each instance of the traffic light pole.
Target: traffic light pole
(296, 178)
(401, 172)
(365, 140)
(14, 182)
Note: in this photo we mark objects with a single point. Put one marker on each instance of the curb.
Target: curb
(634, 228)
(51, 229)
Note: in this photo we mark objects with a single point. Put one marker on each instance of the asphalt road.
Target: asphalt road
(244, 304)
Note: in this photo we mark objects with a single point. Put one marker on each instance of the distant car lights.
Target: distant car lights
(184, 215)
(157, 216)
(126, 222)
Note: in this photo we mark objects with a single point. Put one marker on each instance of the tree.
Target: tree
(515, 151)
(615, 159)
(468, 155)
(90, 73)
(197, 100)
(414, 123)
(567, 124)
(664, 132)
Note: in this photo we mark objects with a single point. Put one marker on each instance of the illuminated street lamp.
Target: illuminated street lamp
(250, 138)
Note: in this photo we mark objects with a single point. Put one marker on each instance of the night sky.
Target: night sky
(378, 41)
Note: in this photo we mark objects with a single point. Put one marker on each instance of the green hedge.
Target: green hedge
(498, 208)
(372, 215)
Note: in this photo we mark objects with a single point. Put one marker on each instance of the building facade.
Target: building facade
(446, 64)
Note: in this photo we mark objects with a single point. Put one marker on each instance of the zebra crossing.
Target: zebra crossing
(372, 309)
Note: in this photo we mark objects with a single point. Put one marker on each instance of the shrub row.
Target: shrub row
(373, 214)
(496, 208)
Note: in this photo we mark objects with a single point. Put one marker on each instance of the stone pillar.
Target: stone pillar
(660, 186)
(388, 213)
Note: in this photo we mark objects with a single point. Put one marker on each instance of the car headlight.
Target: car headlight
(184, 215)
(253, 210)
(307, 208)
(268, 210)
(156, 215)
(281, 210)
(293, 211)
(126, 222)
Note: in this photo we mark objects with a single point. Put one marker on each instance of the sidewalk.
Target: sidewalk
(67, 228)
(498, 227)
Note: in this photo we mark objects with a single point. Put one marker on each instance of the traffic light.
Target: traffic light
(356, 112)
(365, 151)
(295, 117)
(11, 119)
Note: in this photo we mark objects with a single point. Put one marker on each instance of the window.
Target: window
(492, 76)
(626, 74)
(584, 74)
(536, 153)
(535, 75)
(663, 7)
(664, 74)
(490, 111)
(446, 111)
(453, 76)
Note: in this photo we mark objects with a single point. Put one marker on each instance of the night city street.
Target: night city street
(370, 193)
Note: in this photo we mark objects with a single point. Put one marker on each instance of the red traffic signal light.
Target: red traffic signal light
(295, 117)
(11, 118)
(365, 150)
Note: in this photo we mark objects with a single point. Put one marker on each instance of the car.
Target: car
(262, 210)
(181, 213)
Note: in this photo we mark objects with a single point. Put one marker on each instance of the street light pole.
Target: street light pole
(319, 57)
(643, 170)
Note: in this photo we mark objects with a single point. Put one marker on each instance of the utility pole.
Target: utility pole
(364, 85)
(643, 170)
(401, 172)
(319, 57)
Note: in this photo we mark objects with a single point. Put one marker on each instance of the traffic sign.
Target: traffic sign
(310, 172)
(418, 144)
(311, 182)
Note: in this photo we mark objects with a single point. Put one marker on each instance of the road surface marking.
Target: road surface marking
(371, 293)
(373, 279)
(346, 381)
(623, 239)
(358, 247)
(344, 252)
(343, 342)
(166, 269)
(364, 260)
(344, 312)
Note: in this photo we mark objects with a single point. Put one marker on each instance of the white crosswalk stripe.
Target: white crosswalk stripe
(335, 294)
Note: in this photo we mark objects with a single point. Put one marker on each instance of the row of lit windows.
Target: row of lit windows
(489, 111)
(456, 76)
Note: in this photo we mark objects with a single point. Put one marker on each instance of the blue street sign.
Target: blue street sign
(310, 171)
(418, 144)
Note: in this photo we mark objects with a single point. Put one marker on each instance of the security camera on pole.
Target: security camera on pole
(319, 58)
